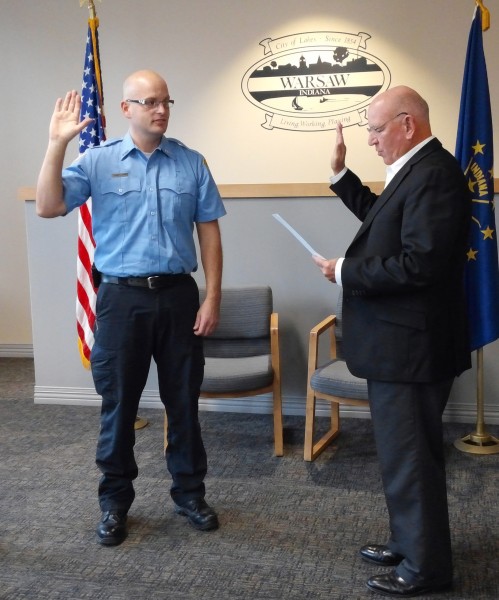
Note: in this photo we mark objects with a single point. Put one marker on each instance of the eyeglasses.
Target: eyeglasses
(150, 103)
(380, 128)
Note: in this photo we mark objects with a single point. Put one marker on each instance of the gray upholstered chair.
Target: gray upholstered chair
(331, 381)
(242, 356)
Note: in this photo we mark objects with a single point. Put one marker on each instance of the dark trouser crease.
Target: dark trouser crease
(407, 422)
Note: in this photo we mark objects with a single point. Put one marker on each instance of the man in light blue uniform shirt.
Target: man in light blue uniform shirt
(147, 193)
(143, 208)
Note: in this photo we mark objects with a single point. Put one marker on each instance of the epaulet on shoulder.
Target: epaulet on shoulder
(178, 142)
(101, 145)
(110, 142)
(182, 145)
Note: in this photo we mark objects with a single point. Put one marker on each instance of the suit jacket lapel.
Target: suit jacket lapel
(391, 188)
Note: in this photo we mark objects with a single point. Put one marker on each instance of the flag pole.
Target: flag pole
(480, 441)
(482, 273)
(140, 422)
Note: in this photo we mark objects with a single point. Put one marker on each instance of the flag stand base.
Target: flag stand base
(476, 443)
(140, 423)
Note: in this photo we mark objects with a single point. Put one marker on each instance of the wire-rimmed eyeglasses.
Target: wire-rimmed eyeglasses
(150, 103)
(380, 128)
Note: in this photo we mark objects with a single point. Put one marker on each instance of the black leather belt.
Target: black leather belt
(153, 282)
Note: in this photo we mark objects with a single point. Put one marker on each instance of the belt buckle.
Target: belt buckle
(151, 281)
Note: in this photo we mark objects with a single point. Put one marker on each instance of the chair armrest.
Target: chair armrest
(313, 344)
(274, 343)
(274, 323)
(323, 325)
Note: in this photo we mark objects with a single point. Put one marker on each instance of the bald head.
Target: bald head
(399, 120)
(404, 99)
(140, 80)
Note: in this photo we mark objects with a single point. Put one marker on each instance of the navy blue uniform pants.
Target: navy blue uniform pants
(135, 325)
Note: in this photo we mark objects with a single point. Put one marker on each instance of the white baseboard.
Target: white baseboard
(16, 351)
(292, 405)
(150, 399)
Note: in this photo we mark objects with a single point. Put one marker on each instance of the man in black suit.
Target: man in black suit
(405, 329)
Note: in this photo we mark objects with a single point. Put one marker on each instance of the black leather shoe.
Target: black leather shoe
(391, 584)
(199, 514)
(380, 555)
(112, 530)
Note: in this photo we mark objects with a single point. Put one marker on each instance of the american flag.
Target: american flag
(92, 106)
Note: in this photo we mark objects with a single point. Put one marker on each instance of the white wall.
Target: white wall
(204, 48)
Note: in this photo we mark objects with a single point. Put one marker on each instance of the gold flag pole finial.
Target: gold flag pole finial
(91, 7)
(485, 15)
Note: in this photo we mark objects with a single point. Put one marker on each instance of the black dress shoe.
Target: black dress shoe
(199, 514)
(391, 584)
(112, 529)
(380, 555)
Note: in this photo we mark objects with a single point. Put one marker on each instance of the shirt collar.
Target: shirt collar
(127, 146)
(165, 147)
(394, 168)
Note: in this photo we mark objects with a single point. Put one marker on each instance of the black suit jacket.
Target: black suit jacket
(404, 313)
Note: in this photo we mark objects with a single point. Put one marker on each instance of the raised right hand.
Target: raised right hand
(339, 151)
(65, 122)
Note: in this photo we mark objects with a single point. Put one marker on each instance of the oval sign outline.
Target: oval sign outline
(355, 107)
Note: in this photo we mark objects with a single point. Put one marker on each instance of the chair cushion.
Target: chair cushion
(237, 374)
(235, 348)
(244, 312)
(334, 378)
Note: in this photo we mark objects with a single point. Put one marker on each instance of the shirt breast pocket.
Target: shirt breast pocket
(117, 193)
(178, 200)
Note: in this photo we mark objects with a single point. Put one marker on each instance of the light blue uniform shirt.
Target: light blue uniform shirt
(143, 209)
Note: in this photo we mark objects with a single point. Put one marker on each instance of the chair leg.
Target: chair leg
(311, 449)
(278, 434)
(309, 425)
(335, 416)
(278, 428)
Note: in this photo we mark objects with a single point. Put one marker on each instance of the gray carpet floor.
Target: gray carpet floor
(289, 529)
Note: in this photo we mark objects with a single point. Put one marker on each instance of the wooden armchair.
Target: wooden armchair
(331, 381)
(242, 357)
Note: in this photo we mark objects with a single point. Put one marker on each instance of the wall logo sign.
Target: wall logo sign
(310, 81)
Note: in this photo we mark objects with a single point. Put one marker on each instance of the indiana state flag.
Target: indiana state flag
(475, 152)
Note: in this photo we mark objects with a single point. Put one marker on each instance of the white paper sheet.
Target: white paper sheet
(293, 232)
